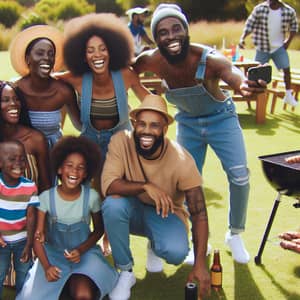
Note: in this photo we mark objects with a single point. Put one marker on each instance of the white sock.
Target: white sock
(288, 92)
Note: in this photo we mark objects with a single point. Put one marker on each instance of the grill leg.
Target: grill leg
(257, 258)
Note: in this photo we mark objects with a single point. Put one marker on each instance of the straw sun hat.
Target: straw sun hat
(20, 43)
(155, 103)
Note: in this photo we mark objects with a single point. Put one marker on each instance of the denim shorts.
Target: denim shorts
(280, 58)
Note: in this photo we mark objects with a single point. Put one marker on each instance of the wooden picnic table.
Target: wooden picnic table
(245, 64)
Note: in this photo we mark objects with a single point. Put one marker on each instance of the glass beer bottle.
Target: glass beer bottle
(216, 271)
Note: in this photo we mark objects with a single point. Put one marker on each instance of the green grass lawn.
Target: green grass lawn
(278, 277)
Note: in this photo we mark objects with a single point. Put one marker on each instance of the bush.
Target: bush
(32, 19)
(69, 9)
(6, 36)
(108, 6)
(54, 10)
(10, 12)
(27, 3)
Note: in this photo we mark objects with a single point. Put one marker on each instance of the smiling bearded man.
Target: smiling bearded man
(146, 179)
(206, 114)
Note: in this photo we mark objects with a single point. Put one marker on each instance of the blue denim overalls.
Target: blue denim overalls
(60, 237)
(203, 120)
(102, 137)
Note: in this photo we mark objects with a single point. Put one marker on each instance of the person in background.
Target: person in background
(18, 199)
(206, 114)
(137, 17)
(15, 125)
(35, 52)
(146, 179)
(68, 258)
(273, 24)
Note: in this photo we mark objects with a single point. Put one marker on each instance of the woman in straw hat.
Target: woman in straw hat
(35, 52)
(98, 49)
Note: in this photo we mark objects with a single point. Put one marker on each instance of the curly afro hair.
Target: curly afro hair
(114, 32)
(82, 145)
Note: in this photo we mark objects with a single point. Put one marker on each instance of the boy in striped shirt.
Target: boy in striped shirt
(18, 199)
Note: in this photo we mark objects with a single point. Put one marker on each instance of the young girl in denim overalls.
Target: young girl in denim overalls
(69, 261)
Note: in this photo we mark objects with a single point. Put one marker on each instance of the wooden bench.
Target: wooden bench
(153, 82)
(277, 89)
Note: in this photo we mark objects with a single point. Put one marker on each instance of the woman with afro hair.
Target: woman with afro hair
(98, 50)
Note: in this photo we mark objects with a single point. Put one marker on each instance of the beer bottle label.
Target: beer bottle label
(216, 278)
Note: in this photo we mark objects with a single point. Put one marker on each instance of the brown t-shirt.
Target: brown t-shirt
(174, 171)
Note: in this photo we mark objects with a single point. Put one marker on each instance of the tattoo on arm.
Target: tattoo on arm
(196, 202)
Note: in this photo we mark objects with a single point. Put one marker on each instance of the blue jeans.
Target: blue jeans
(128, 215)
(223, 133)
(203, 120)
(21, 269)
(280, 58)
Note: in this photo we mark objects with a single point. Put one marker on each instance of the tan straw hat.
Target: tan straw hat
(20, 43)
(155, 103)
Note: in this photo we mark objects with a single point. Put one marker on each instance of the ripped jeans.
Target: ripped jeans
(223, 133)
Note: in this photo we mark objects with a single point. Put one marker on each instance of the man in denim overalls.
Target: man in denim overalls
(206, 115)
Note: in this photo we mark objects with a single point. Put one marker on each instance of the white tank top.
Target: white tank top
(276, 36)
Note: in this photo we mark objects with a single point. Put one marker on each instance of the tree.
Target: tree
(107, 6)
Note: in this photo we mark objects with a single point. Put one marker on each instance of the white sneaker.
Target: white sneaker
(289, 99)
(122, 290)
(154, 263)
(189, 260)
(237, 248)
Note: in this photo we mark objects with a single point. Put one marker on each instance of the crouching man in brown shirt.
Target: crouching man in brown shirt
(146, 179)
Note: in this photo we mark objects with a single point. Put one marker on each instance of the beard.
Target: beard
(174, 59)
(147, 153)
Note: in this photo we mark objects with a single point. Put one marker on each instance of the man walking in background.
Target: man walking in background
(273, 25)
(137, 17)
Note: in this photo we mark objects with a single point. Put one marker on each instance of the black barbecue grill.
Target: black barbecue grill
(285, 178)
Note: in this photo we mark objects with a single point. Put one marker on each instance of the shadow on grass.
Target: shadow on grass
(158, 286)
(286, 119)
(267, 129)
(244, 285)
(212, 198)
(297, 271)
(286, 293)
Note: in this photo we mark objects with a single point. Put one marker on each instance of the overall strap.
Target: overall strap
(86, 97)
(53, 214)
(86, 197)
(121, 95)
(202, 64)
